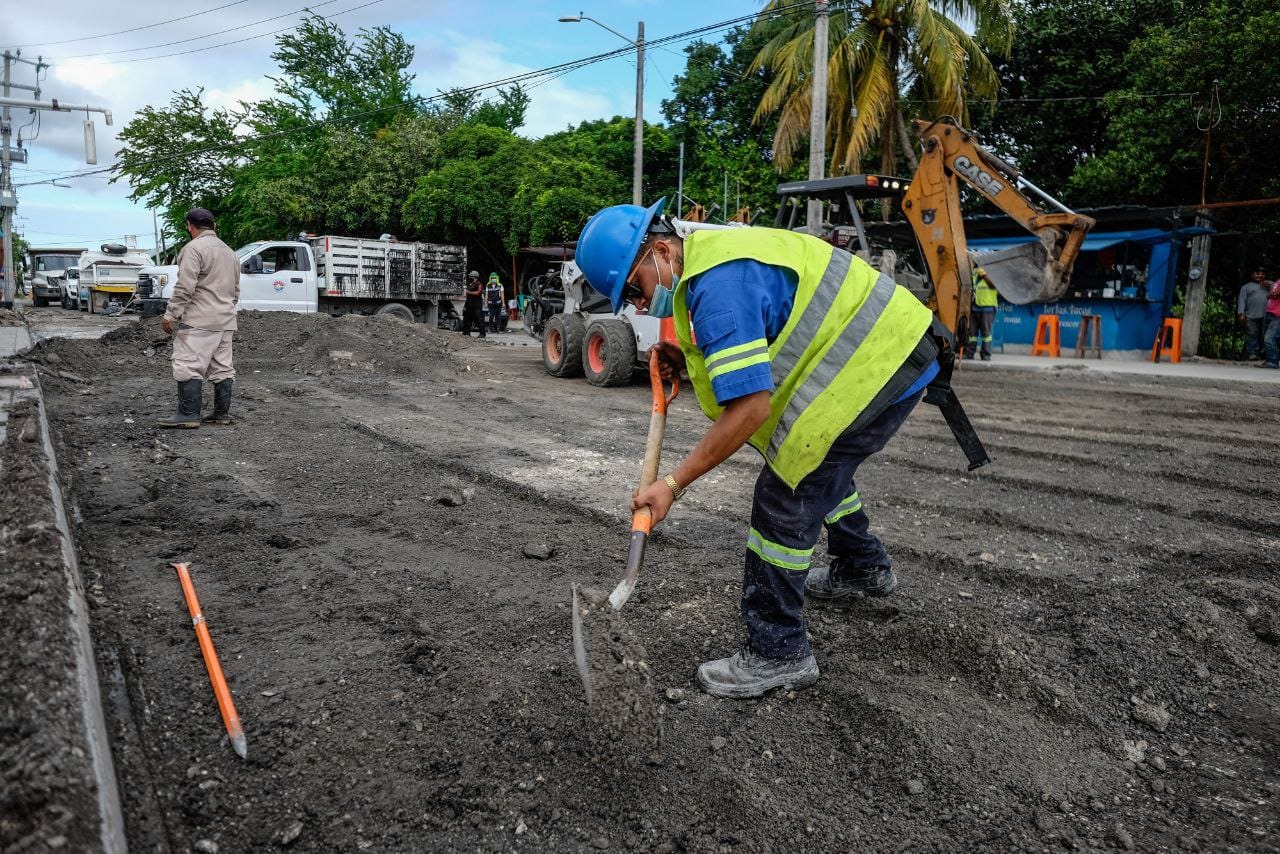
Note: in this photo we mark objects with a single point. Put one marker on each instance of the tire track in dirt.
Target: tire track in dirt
(421, 696)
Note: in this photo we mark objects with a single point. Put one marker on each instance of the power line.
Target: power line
(420, 101)
(235, 41)
(130, 30)
(197, 38)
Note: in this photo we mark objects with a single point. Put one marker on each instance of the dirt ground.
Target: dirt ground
(47, 791)
(1082, 653)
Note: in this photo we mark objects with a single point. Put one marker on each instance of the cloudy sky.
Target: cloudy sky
(123, 60)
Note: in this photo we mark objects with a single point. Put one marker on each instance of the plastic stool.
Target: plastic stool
(1048, 337)
(1169, 338)
(1089, 336)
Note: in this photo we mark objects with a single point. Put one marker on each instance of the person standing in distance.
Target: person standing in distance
(985, 302)
(1251, 311)
(473, 305)
(494, 296)
(201, 317)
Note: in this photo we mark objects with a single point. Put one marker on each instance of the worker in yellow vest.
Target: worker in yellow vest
(986, 299)
(804, 352)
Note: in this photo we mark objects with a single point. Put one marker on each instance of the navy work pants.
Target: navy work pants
(1269, 340)
(785, 527)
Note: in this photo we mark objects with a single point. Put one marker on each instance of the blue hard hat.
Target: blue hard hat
(608, 245)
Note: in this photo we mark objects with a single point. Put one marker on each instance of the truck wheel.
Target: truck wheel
(562, 345)
(395, 309)
(609, 353)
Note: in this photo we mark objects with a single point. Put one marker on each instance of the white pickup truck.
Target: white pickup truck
(338, 275)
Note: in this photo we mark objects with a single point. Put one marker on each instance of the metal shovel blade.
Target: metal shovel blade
(579, 646)
(1025, 273)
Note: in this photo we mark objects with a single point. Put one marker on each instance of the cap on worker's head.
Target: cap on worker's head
(493, 277)
(979, 271)
(475, 274)
(200, 217)
(608, 245)
(1259, 269)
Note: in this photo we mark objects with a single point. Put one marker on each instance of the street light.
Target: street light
(637, 169)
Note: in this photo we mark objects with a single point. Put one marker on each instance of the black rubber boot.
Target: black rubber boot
(221, 413)
(188, 414)
(840, 582)
(745, 674)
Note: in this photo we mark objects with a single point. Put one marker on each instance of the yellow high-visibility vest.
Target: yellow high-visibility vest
(984, 293)
(850, 330)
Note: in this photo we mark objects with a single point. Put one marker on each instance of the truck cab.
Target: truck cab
(45, 272)
(278, 276)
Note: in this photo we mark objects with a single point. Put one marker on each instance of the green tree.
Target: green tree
(880, 49)
(610, 145)
(1051, 117)
(1153, 147)
(179, 156)
(507, 112)
(363, 80)
(712, 111)
(496, 192)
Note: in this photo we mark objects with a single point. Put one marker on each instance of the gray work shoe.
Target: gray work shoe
(745, 674)
(188, 414)
(221, 414)
(824, 583)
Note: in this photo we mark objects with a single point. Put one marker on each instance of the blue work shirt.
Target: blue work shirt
(742, 306)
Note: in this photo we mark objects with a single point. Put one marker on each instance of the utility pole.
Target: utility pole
(1208, 116)
(1197, 283)
(8, 197)
(680, 183)
(637, 166)
(818, 112)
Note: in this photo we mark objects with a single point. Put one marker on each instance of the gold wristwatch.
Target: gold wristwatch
(676, 489)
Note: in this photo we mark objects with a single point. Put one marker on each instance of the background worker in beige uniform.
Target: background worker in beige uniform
(201, 317)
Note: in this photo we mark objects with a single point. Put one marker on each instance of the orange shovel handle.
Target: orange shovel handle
(226, 707)
(641, 519)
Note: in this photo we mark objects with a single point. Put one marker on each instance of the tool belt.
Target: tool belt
(940, 394)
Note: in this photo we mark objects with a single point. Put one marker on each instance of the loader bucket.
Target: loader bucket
(1025, 273)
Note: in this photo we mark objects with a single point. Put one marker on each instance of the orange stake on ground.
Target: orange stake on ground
(225, 706)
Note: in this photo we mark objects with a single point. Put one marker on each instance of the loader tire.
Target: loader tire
(609, 353)
(562, 345)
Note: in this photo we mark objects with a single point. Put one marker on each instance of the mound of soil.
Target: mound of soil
(315, 344)
(47, 793)
(10, 317)
(320, 344)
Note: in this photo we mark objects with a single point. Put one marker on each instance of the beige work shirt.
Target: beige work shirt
(208, 286)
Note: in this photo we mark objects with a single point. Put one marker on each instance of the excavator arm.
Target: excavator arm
(1034, 272)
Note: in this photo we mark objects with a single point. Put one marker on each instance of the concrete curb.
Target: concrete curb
(110, 814)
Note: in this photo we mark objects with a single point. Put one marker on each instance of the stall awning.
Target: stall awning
(1092, 243)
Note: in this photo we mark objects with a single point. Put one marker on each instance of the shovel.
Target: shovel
(641, 521)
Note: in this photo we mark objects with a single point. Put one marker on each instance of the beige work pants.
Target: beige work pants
(202, 354)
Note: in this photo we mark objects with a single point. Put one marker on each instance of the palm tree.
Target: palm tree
(879, 51)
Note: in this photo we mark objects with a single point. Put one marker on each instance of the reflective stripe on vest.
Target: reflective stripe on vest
(849, 331)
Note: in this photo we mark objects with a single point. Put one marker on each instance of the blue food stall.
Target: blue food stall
(1127, 277)
(1126, 274)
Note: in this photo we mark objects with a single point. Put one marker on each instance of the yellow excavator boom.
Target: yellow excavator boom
(1034, 272)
